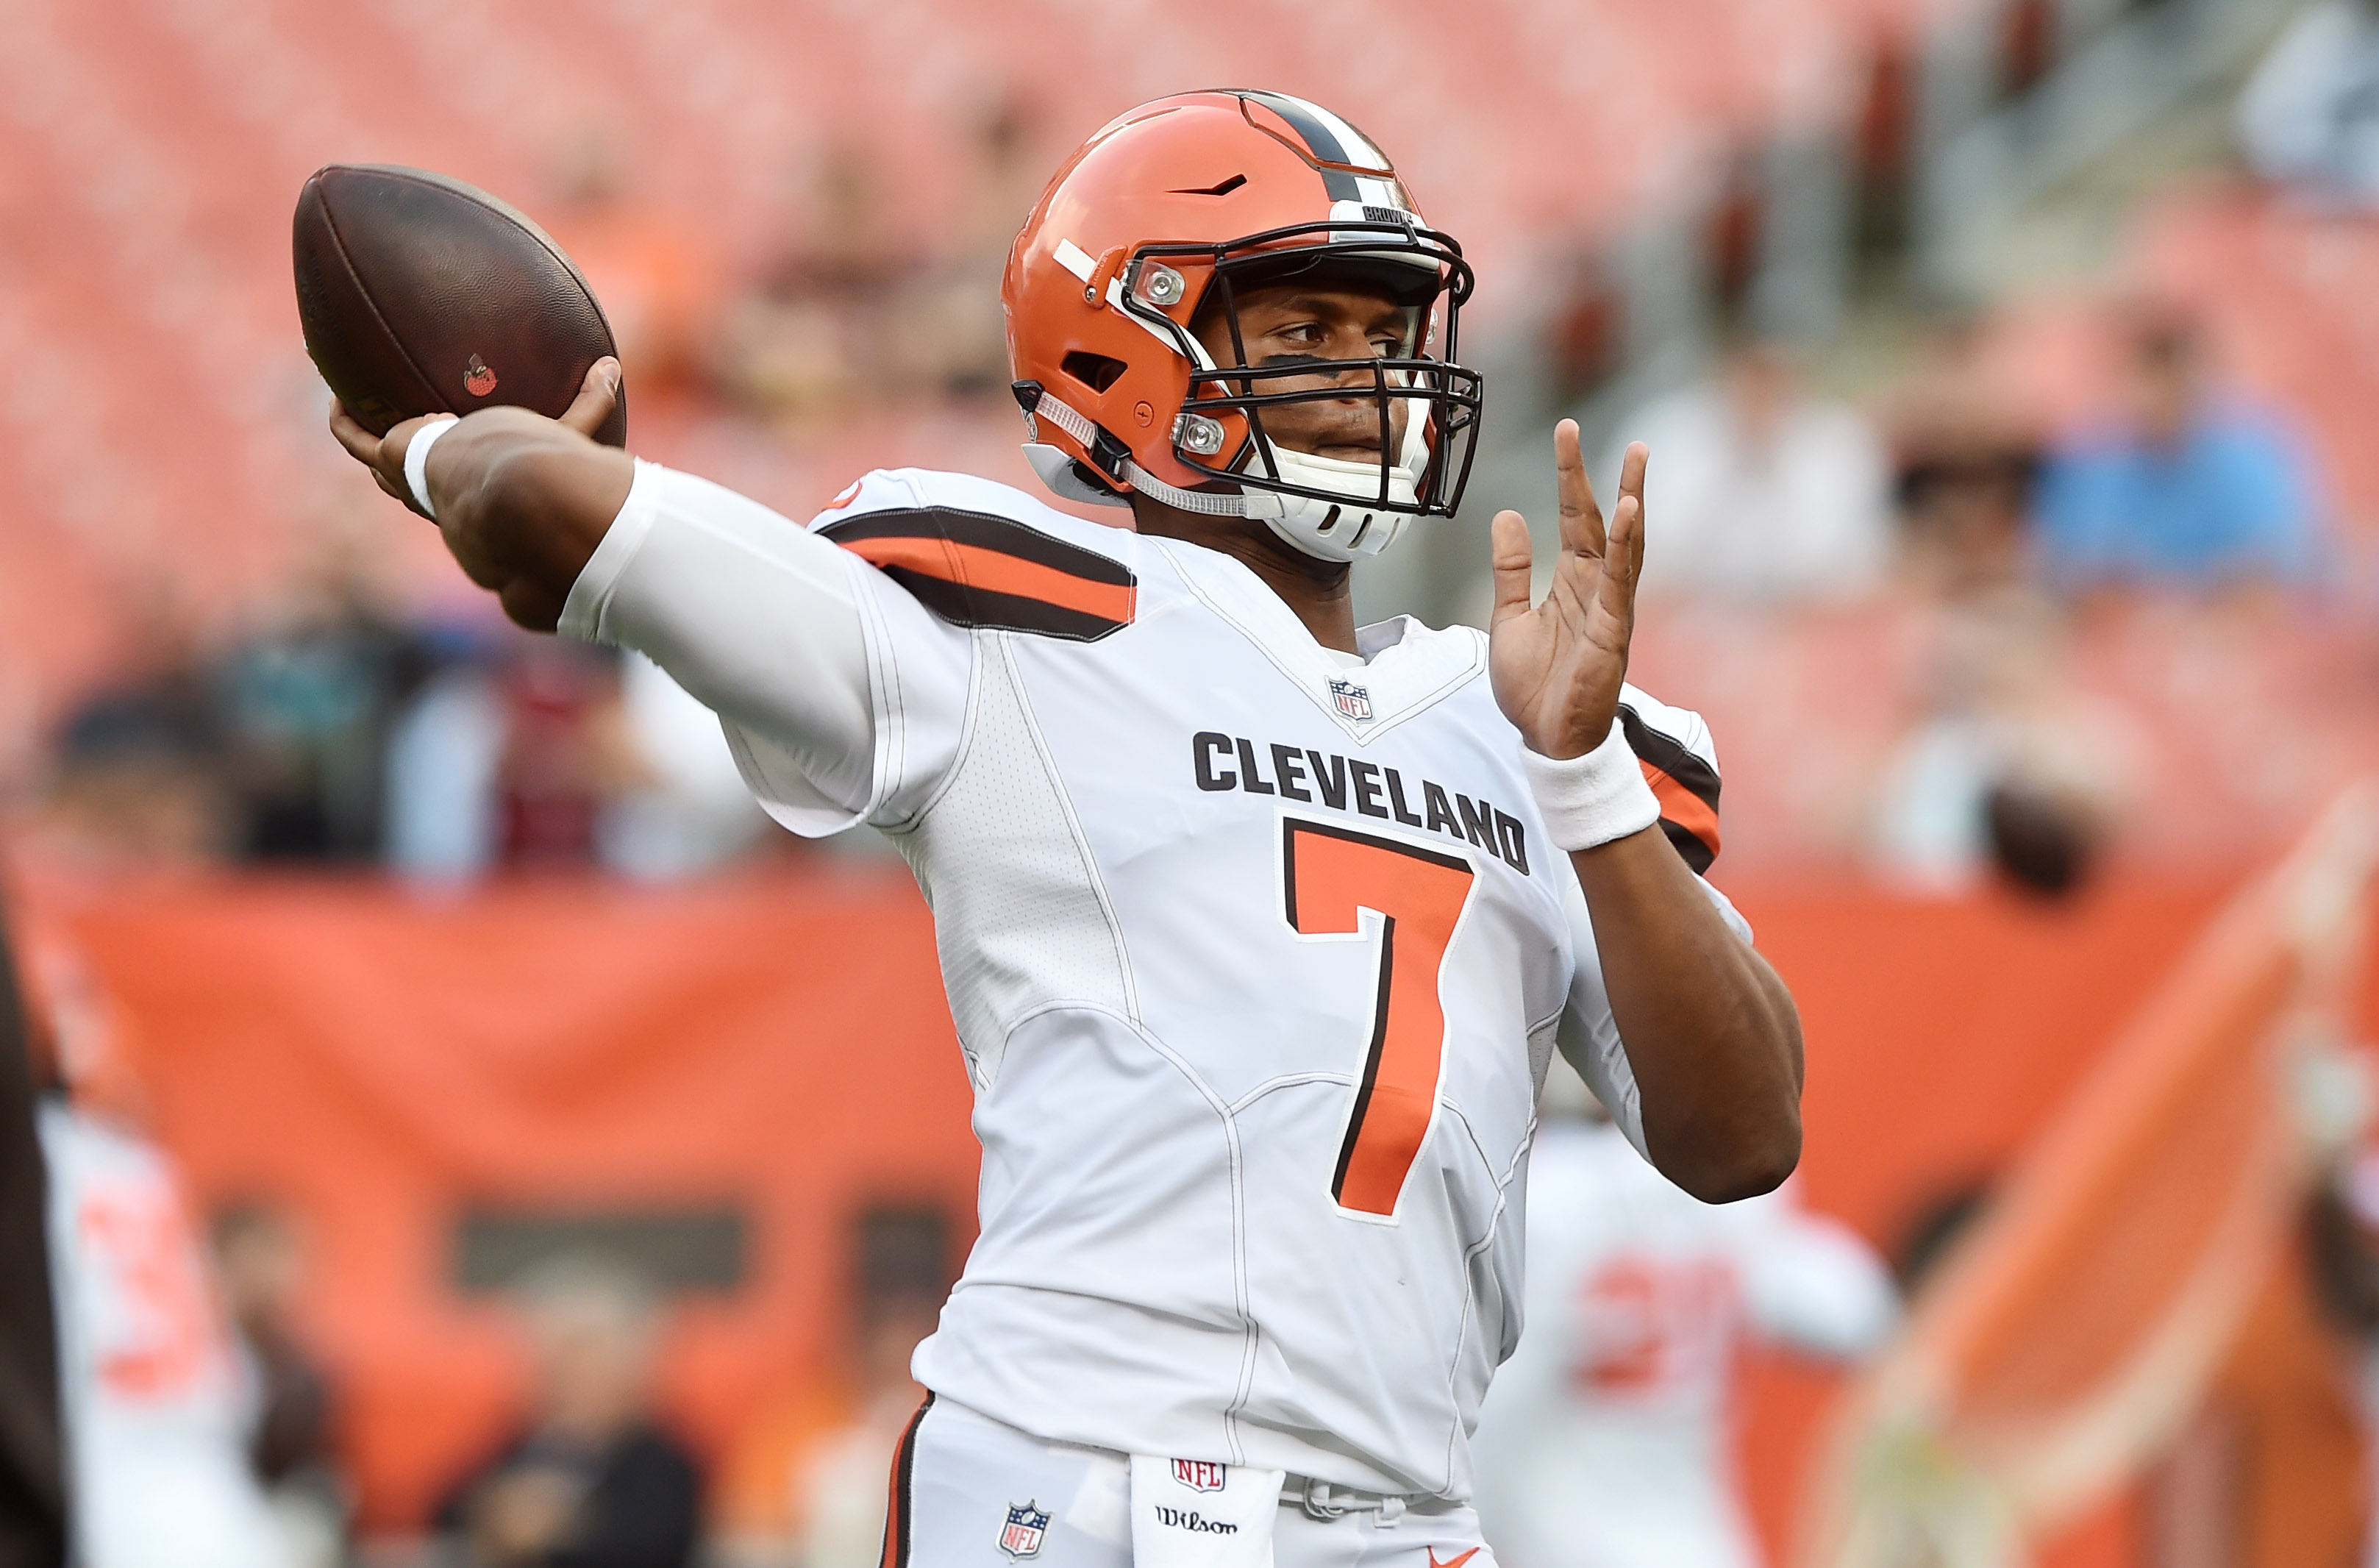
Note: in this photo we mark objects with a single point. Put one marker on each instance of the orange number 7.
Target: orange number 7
(1331, 875)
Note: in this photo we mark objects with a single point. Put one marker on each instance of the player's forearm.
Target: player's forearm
(522, 502)
(1711, 1033)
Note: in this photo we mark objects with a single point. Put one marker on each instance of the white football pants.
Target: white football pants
(972, 1493)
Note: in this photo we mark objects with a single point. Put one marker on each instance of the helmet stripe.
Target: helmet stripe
(1354, 146)
(1315, 124)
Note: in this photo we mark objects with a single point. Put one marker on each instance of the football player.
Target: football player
(1259, 928)
(1608, 1441)
(156, 1413)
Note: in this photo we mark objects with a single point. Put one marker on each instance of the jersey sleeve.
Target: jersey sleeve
(1680, 761)
(842, 698)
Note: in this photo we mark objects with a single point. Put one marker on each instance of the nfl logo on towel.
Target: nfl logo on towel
(1199, 1474)
(1027, 1524)
(1352, 700)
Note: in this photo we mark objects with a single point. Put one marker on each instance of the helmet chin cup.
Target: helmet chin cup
(1328, 531)
(1359, 527)
(1352, 529)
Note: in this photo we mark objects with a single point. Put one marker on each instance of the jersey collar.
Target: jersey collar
(1407, 669)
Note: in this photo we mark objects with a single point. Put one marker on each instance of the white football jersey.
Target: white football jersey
(1608, 1441)
(155, 1426)
(1257, 953)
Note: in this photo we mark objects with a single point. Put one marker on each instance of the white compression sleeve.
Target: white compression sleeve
(749, 612)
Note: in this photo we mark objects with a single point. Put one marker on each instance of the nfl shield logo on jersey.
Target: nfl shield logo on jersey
(1199, 1474)
(1027, 1524)
(1352, 700)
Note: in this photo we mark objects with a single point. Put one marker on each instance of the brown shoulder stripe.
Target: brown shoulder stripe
(976, 568)
(1686, 786)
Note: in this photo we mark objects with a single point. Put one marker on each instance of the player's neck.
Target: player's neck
(1318, 591)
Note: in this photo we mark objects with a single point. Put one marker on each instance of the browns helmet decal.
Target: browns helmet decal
(1351, 165)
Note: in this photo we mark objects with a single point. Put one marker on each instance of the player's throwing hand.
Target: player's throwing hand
(1556, 667)
(530, 554)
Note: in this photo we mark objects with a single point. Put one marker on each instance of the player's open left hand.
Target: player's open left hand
(1557, 667)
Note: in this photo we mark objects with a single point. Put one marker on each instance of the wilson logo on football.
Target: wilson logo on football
(477, 380)
(1199, 1474)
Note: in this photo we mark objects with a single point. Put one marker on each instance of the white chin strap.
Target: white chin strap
(1351, 529)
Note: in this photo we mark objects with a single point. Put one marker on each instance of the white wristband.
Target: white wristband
(1593, 798)
(417, 462)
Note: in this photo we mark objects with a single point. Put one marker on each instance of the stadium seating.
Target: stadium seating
(164, 425)
(2284, 290)
(2287, 289)
(167, 466)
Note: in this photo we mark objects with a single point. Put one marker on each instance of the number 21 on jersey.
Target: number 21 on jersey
(1329, 876)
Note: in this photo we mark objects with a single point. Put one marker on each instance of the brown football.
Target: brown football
(421, 295)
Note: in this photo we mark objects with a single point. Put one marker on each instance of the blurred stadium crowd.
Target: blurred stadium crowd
(2004, 399)
(2008, 367)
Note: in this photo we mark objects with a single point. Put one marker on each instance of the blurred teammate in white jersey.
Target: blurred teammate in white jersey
(1609, 1439)
(1259, 928)
(156, 1419)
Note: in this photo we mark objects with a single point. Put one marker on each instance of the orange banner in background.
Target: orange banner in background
(382, 1064)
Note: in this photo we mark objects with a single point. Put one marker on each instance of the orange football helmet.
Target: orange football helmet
(1207, 191)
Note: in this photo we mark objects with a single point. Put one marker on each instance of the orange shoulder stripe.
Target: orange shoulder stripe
(1682, 806)
(973, 566)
